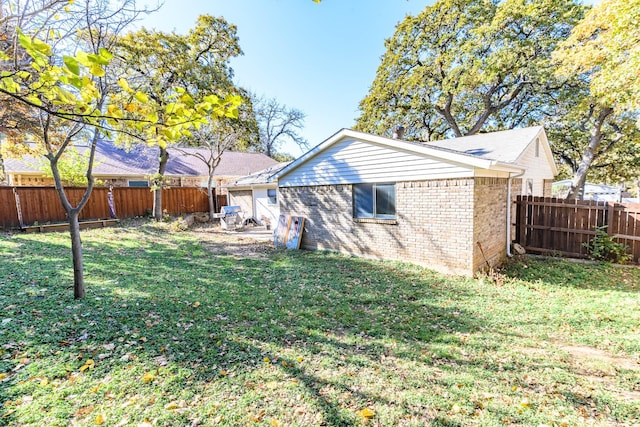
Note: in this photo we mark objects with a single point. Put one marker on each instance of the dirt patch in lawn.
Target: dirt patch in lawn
(598, 366)
(589, 355)
(594, 366)
(224, 244)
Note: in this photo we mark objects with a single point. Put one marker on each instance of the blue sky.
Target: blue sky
(318, 58)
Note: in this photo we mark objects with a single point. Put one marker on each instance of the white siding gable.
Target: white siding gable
(352, 161)
(538, 167)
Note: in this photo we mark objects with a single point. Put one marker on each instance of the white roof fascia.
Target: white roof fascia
(237, 187)
(271, 184)
(505, 167)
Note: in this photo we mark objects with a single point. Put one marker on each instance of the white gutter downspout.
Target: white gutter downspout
(509, 203)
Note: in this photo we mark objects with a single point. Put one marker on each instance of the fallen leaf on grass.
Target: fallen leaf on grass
(171, 405)
(366, 413)
(196, 304)
(258, 417)
(148, 377)
(275, 423)
(99, 420)
(83, 411)
(89, 364)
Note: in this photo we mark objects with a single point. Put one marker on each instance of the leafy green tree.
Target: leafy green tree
(603, 51)
(465, 66)
(72, 166)
(188, 68)
(606, 45)
(595, 141)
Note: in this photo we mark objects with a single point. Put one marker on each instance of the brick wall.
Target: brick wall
(490, 222)
(435, 220)
(434, 223)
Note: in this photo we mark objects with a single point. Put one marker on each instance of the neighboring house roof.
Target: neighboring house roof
(264, 176)
(496, 151)
(143, 160)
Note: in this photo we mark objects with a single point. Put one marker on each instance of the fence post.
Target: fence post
(111, 203)
(609, 219)
(520, 220)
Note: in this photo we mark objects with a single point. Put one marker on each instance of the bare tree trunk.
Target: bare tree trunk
(3, 175)
(157, 202)
(212, 200)
(158, 182)
(589, 155)
(76, 251)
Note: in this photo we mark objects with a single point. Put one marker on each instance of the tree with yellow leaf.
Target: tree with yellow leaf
(64, 94)
(603, 53)
(72, 94)
(180, 73)
(606, 45)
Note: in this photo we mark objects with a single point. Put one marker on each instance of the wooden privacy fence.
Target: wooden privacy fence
(548, 225)
(42, 204)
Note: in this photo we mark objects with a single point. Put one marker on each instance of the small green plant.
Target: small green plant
(603, 248)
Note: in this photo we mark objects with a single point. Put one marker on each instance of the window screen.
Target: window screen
(272, 195)
(374, 201)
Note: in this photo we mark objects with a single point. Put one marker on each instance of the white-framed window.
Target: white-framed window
(529, 187)
(136, 183)
(537, 147)
(272, 196)
(374, 201)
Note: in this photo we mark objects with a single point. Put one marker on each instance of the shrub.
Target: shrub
(602, 248)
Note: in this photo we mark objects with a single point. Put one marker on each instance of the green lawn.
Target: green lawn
(196, 328)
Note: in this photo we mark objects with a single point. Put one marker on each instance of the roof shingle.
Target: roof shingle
(143, 160)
